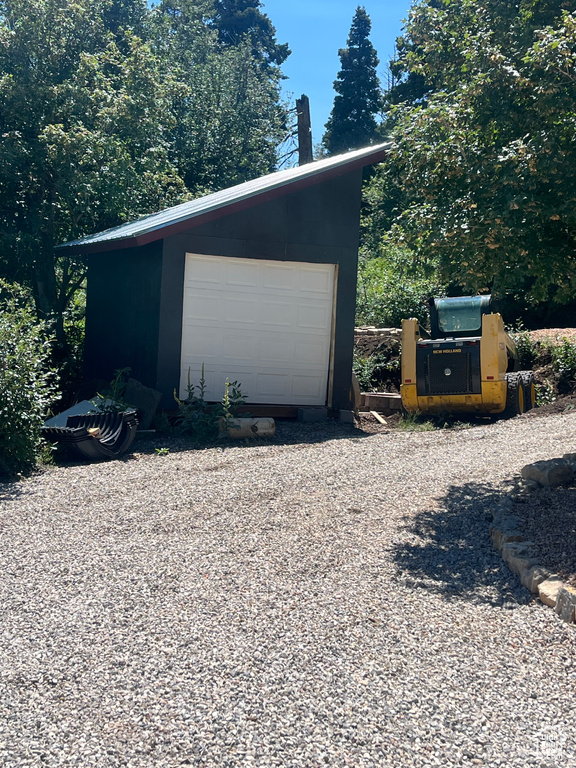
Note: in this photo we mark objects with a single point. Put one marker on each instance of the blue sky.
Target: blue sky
(315, 30)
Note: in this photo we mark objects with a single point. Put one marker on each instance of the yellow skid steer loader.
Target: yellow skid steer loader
(466, 364)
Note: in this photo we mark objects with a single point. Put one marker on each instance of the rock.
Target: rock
(501, 518)
(346, 417)
(548, 590)
(248, 427)
(520, 555)
(534, 576)
(505, 528)
(566, 603)
(571, 459)
(145, 399)
(549, 473)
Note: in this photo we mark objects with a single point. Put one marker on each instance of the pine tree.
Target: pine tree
(236, 20)
(358, 99)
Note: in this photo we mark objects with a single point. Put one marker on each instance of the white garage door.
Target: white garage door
(265, 324)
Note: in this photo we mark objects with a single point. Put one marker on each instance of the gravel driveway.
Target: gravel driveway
(327, 599)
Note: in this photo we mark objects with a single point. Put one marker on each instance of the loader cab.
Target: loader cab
(458, 317)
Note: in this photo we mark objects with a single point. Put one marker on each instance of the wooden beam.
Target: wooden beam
(378, 417)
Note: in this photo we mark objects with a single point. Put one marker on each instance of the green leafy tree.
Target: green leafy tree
(228, 116)
(391, 287)
(84, 137)
(125, 15)
(110, 110)
(352, 122)
(481, 176)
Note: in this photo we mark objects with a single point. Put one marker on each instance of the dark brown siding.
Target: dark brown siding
(319, 224)
(122, 313)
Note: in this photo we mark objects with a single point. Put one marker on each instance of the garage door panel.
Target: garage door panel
(238, 309)
(276, 350)
(311, 352)
(262, 323)
(307, 386)
(203, 305)
(315, 280)
(313, 316)
(204, 270)
(201, 348)
(270, 387)
(240, 272)
(279, 278)
(277, 313)
(238, 348)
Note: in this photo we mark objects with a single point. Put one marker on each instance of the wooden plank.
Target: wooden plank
(378, 417)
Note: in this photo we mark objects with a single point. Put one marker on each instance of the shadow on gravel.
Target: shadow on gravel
(449, 551)
(10, 489)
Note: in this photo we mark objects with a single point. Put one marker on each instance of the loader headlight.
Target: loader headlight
(447, 371)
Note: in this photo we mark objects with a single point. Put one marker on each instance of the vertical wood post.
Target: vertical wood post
(304, 130)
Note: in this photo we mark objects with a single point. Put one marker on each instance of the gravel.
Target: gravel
(329, 598)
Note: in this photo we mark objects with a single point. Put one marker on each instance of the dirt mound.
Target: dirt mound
(554, 334)
(384, 345)
(565, 404)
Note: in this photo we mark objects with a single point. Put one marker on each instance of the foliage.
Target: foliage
(239, 20)
(25, 383)
(376, 370)
(484, 119)
(526, 348)
(392, 287)
(228, 119)
(111, 400)
(545, 392)
(112, 109)
(205, 420)
(83, 136)
(232, 401)
(564, 365)
(358, 99)
(416, 422)
(195, 415)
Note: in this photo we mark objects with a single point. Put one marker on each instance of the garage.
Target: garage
(255, 283)
(266, 324)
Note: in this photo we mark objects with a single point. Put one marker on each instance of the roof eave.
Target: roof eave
(259, 196)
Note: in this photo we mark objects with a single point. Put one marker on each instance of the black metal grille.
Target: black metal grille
(449, 374)
(448, 368)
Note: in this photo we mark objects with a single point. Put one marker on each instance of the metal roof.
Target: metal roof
(239, 197)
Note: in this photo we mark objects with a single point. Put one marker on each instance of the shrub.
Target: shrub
(564, 365)
(26, 387)
(391, 288)
(527, 349)
(377, 370)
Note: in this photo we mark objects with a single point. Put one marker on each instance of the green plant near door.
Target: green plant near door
(203, 420)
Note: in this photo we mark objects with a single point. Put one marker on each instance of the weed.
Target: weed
(196, 416)
(416, 422)
(162, 451)
(545, 393)
(111, 400)
(419, 422)
(371, 371)
(206, 420)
